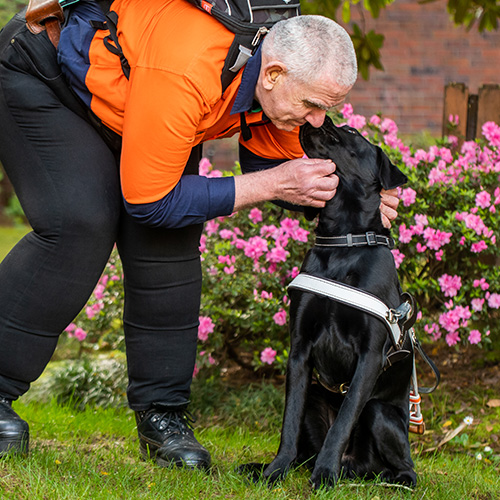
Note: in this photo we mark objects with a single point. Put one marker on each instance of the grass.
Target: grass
(94, 454)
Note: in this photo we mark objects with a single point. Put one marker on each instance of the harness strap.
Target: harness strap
(418, 347)
(369, 238)
(353, 297)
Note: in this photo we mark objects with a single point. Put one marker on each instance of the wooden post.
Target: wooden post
(456, 98)
(488, 106)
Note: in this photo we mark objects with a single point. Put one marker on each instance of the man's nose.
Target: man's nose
(316, 117)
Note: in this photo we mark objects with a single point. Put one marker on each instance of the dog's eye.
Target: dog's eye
(352, 131)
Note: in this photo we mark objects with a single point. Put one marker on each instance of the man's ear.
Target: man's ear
(273, 73)
(390, 175)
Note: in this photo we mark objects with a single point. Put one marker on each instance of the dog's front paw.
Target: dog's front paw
(277, 470)
(323, 477)
(253, 471)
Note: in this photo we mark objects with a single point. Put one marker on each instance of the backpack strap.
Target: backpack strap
(45, 15)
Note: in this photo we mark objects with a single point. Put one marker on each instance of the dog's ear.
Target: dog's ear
(311, 212)
(390, 175)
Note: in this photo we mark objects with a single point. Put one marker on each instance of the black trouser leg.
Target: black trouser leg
(67, 182)
(162, 299)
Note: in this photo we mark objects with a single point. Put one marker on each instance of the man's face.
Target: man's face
(289, 103)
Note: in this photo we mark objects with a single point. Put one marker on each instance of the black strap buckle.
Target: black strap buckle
(371, 238)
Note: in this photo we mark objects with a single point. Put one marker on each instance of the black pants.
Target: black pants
(66, 177)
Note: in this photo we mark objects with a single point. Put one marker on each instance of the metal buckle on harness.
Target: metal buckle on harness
(371, 238)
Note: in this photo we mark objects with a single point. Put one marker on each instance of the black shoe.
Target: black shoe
(14, 431)
(167, 437)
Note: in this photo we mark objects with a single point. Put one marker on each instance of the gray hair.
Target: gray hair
(312, 47)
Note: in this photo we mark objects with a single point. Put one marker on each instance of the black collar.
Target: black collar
(355, 240)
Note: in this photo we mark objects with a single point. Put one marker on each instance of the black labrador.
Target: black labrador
(347, 407)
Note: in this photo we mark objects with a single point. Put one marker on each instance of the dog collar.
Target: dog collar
(369, 238)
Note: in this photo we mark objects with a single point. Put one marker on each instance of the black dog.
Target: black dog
(347, 407)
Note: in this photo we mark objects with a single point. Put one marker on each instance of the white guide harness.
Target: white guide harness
(394, 320)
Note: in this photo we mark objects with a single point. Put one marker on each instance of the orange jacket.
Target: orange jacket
(172, 100)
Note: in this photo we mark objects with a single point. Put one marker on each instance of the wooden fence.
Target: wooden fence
(473, 110)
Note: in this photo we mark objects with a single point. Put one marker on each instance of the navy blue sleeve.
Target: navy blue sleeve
(195, 199)
(250, 162)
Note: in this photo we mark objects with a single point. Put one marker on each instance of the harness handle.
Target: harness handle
(45, 15)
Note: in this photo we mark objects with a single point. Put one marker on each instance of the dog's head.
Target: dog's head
(360, 163)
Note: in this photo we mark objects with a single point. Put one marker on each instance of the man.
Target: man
(61, 160)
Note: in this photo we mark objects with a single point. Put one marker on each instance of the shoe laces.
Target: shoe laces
(174, 421)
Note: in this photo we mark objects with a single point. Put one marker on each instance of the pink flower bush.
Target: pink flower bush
(446, 254)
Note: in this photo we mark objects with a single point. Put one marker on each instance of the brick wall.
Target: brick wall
(422, 52)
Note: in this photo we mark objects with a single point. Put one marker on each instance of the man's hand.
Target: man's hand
(389, 202)
(306, 182)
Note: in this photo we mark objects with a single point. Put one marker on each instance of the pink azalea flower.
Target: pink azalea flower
(347, 110)
(408, 196)
(439, 255)
(226, 234)
(211, 227)
(90, 312)
(421, 248)
(478, 247)
(204, 166)
(280, 317)
(229, 269)
(475, 336)
(398, 257)
(268, 355)
(494, 301)
(99, 291)
(70, 328)
(255, 215)
(356, 121)
(477, 304)
(433, 330)
(450, 285)
(421, 219)
(205, 327)
(255, 247)
(452, 338)
(375, 120)
(453, 119)
(483, 199)
(80, 334)
(277, 254)
(215, 173)
(405, 234)
(203, 243)
(389, 126)
(491, 131)
(481, 283)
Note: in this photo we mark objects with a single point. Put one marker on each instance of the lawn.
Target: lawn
(94, 453)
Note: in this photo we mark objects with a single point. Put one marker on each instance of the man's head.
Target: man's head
(308, 66)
